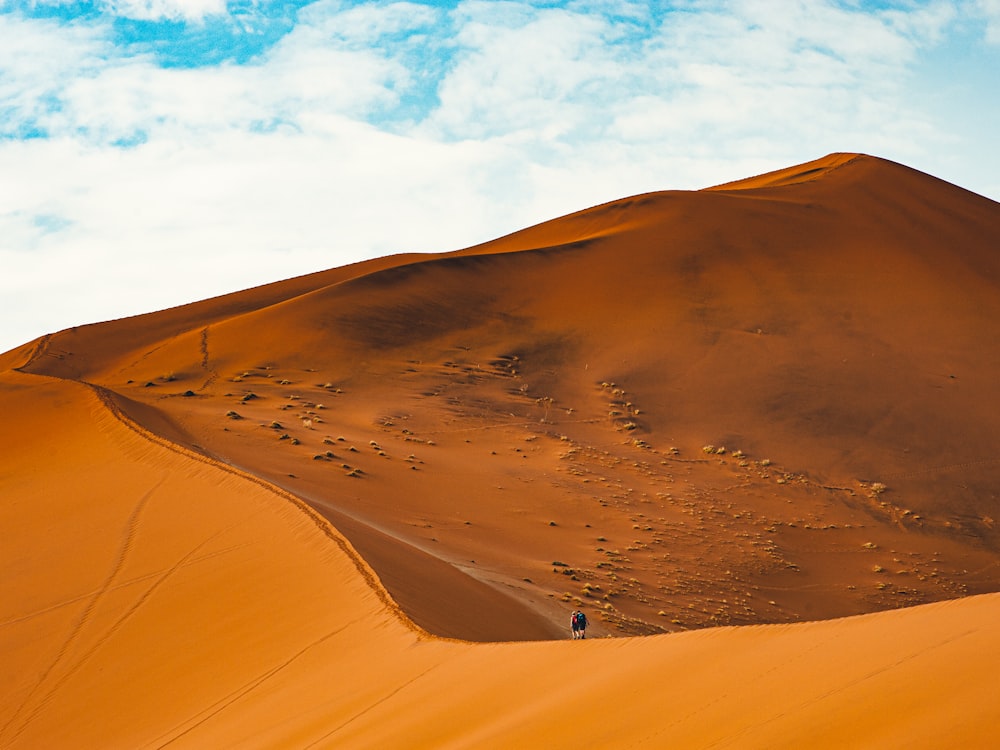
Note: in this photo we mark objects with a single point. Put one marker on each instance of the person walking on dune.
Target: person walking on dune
(578, 623)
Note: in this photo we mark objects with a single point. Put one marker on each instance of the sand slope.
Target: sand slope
(772, 401)
(153, 599)
(200, 608)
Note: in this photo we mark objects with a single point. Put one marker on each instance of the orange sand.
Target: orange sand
(174, 576)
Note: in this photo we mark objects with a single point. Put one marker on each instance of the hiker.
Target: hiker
(578, 622)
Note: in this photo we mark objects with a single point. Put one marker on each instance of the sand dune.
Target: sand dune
(256, 521)
(200, 608)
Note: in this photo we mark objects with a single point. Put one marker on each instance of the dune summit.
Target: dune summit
(284, 517)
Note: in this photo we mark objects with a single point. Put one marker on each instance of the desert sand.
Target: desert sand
(750, 430)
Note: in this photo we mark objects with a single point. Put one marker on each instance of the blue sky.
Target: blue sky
(156, 152)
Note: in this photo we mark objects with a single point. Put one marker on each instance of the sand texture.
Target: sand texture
(750, 430)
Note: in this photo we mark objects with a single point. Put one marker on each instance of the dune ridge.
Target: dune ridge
(794, 175)
(309, 514)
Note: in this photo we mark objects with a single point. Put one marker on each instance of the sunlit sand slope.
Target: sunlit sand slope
(145, 590)
(155, 598)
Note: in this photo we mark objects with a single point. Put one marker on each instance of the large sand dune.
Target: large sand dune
(258, 520)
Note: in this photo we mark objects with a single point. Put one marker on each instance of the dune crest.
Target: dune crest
(264, 519)
(812, 170)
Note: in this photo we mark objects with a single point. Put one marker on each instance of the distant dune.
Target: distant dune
(319, 513)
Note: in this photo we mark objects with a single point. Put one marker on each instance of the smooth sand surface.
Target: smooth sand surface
(262, 520)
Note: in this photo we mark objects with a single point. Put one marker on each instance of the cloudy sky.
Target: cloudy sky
(157, 152)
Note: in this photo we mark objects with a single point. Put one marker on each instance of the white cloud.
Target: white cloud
(799, 71)
(363, 25)
(171, 10)
(300, 78)
(990, 12)
(37, 58)
(69, 79)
